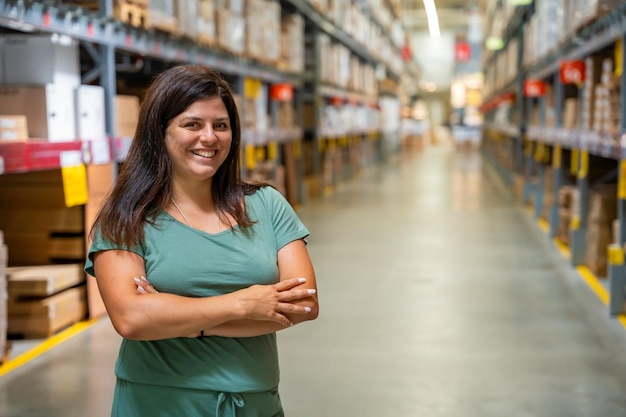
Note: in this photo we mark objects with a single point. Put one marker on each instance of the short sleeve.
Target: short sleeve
(100, 244)
(285, 222)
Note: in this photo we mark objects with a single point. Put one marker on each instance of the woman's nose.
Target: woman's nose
(208, 134)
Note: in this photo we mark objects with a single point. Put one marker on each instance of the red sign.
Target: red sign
(572, 72)
(281, 92)
(406, 53)
(462, 51)
(534, 88)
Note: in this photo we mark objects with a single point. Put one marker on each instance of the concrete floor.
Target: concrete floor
(439, 298)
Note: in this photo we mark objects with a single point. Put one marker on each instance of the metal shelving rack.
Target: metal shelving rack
(105, 36)
(601, 33)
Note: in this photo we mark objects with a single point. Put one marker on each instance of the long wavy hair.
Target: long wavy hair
(143, 186)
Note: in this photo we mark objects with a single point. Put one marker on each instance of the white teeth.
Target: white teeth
(205, 154)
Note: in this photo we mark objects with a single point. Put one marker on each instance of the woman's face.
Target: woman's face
(198, 140)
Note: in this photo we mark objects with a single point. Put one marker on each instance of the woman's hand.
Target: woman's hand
(272, 302)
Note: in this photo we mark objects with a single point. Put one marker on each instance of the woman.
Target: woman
(227, 260)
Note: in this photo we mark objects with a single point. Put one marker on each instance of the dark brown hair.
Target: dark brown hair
(143, 186)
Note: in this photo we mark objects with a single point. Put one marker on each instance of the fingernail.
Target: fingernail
(301, 279)
(140, 289)
(307, 309)
(311, 291)
(137, 280)
(144, 278)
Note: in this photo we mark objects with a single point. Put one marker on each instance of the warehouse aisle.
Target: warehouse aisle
(438, 296)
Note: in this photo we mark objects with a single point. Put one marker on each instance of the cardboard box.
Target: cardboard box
(43, 280)
(13, 128)
(44, 317)
(41, 59)
(49, 109)
(99, 183)
(126, 115)
(90, 124)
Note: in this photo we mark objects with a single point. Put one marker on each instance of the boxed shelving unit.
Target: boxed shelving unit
(557, 135)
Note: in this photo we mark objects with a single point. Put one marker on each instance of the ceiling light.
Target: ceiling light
(433, 19)
(519, 2)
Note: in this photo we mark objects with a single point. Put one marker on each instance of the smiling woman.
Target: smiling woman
(197, 268)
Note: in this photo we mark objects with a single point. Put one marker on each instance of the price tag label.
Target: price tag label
(252, 88)
(556, 156)
(250, 157)
(584, 165)
(272, 151)
(621, 189)
(74, 175)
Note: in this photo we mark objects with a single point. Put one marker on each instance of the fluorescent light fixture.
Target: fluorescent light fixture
(433, 19)
(519, 2)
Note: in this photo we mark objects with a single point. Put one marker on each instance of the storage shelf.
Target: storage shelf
(90, 27)
(338, 34)
(599, 144)
(331, 91)
(599, 34)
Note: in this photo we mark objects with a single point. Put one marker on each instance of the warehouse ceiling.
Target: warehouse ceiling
(435, 56)
(452, 14)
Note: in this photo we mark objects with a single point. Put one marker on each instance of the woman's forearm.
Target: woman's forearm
(244, 328)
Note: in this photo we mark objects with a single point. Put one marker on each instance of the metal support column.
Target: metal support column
(578, 232)
(617, 271)
(528, 162)
(107, 72)
(557, 160)
(539, 157)
(518, 143)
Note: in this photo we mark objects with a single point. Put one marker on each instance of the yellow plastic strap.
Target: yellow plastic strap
(575, 224)
(574, 162)
(615, 254)
(272, 151)
(250, 157)
(539, 152)
(557, 153)
(584, 165)
(621, 189)
(260, 153)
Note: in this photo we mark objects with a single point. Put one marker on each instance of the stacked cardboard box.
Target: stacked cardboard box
(37, 225)
(593, 71)
(602, 212)
(45, 299)
(263, 30)
(3, 297)
(567, 200)
(13, 128)
(162, 15)
(607, 100)
(231, 26)
(207, 30)
(292, 44)
(126, 109)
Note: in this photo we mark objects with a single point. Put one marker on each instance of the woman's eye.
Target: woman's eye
(191, 125)
(221, 126)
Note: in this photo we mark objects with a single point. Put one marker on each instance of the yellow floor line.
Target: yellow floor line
(588, 277)
(45, 346)
(594, 284)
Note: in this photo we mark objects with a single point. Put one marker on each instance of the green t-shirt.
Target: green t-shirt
(185, 261)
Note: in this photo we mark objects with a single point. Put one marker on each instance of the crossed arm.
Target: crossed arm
(253, 311)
